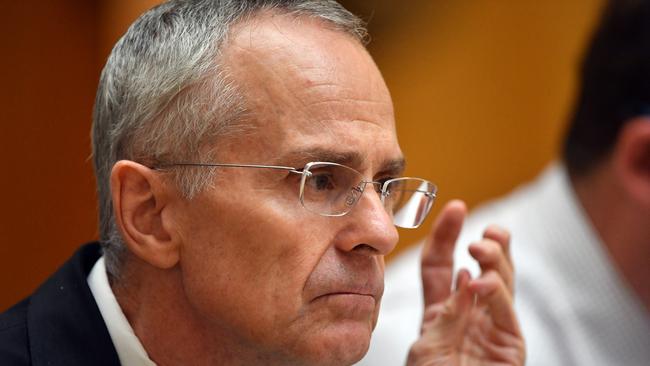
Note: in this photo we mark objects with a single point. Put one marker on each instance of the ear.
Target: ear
(632, 159)
(140, 196)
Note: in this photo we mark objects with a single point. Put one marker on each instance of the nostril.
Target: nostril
(366, 249)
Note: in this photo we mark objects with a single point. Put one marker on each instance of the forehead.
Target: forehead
(309, 86)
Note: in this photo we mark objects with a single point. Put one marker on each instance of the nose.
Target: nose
(368, 226)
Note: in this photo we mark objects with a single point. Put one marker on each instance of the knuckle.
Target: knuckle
(495, 276)
(492, 248)
(448, 310)
(500, 234)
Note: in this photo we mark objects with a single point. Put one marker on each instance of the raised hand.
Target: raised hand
(475, 324)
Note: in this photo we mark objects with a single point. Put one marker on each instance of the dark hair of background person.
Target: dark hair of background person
(615, 84)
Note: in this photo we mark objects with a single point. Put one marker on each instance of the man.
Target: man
(248, 178)
(580, 232)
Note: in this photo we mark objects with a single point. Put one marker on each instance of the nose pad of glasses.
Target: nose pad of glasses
(353, 196)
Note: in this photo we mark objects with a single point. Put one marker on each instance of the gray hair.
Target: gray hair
(163, 95)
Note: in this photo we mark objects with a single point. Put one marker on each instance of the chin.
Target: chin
(340, 344)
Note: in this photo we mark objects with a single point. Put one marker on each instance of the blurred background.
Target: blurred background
(482, 90)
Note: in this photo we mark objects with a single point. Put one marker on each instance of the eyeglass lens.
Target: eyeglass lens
(332, 189)
(410, 200)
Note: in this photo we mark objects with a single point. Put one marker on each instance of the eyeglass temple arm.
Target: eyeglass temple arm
(226, 165)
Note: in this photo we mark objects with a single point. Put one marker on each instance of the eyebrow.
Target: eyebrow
(352, 159)
(393, 167)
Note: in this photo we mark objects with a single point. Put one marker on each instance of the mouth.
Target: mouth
(359, 297)
(347, 289)
(352, 292)
(348, 302)
(344, 293)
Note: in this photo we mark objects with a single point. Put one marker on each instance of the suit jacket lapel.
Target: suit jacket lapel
(64, 324)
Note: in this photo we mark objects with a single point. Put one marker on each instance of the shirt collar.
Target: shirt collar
(129, 349)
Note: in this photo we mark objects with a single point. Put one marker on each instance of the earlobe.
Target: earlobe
(632, 159)
(140, 197)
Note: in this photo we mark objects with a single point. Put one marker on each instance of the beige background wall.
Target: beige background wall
(481, 91)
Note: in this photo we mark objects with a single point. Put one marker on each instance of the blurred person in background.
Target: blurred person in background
(249, 183)
(580, 231)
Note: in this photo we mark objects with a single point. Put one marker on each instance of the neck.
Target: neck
(621, 224)
(168, 326)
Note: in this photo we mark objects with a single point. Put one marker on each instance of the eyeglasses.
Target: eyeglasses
(331, 189)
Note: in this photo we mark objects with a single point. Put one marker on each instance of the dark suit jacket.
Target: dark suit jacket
(60, 324)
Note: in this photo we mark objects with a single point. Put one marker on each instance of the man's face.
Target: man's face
(259, 270)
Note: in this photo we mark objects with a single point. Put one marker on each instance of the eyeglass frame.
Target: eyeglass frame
(383, 193)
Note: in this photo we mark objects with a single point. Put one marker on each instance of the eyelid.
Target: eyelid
(390, 173)
(384, 176)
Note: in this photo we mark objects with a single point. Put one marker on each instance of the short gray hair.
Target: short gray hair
(163, 95)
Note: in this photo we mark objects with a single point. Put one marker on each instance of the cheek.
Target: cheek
(244, 271)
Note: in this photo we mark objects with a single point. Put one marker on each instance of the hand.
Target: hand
(476, 323)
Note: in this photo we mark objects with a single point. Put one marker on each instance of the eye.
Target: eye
(382, 181)
(321, 181)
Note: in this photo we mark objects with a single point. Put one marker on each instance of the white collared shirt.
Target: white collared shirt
(129, 349)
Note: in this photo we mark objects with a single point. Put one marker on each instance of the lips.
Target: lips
(346, 277)
(373, 287)
(375, 294)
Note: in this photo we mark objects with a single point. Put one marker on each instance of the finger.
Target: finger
(449, 318)
(445, 332)
(433, 311)
(463, 278)
(446, 228)
(492, 291)
(438, 252)
(501, 236)
(490, 257)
